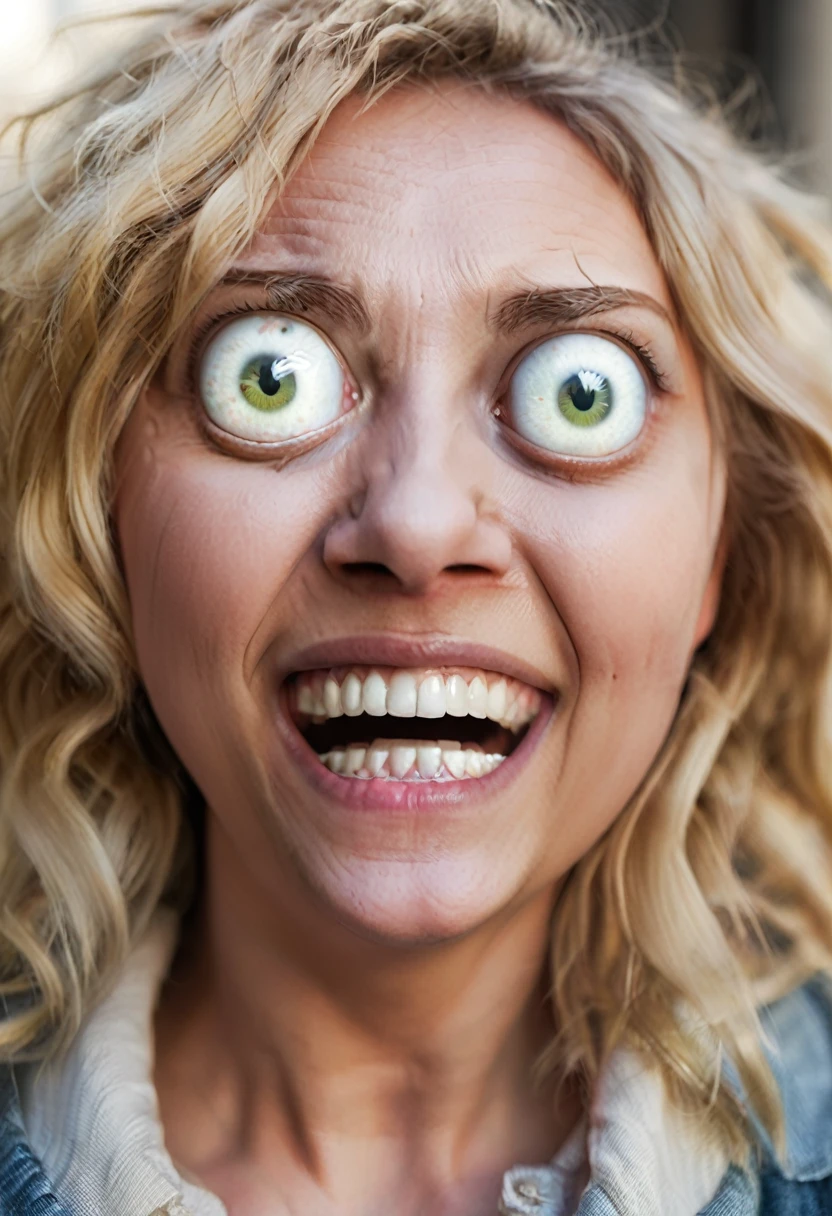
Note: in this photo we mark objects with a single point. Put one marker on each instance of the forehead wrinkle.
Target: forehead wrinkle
(384, 186)
(438, 304)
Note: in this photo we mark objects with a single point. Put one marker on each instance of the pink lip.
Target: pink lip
(408, 650)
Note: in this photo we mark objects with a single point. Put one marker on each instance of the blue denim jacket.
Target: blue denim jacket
(799, 1028)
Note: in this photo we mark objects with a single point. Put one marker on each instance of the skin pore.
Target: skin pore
(353, 1028)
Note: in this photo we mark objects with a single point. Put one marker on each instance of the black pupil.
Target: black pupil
(582, 398)
(268, 384)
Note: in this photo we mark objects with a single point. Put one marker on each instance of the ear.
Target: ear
(710, 598)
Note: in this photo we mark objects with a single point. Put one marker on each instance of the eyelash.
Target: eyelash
(205, 328)
(642, 351)
(645, 355)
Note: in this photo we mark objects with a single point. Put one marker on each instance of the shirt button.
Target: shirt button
(529, 1190)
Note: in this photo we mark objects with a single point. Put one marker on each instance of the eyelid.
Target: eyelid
(280, 452)
(578, 468)
(656, 378)
(640, 350)
(210, 321)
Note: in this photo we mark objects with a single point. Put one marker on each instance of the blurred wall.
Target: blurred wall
(803, 82)
(789, 44)
(710, 26)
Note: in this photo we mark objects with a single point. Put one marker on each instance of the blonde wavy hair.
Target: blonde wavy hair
(712, 891)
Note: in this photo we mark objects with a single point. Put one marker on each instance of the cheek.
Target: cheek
(626, 566)
(207, 544)
(194, 559)
(628, 577)
(629, 564)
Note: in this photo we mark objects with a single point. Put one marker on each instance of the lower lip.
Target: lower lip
(382, 794)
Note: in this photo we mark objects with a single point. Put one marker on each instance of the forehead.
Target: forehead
(449, 190)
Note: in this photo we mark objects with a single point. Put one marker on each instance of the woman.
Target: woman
(415, 632)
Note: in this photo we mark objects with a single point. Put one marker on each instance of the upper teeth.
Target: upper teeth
(403, 694)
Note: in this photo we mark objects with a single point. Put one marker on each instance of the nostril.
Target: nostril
(377, 568)
(408, 541)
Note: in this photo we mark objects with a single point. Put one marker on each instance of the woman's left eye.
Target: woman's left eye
(268, 378)
(578, 395)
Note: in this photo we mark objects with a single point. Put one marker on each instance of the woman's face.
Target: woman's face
(436, 449)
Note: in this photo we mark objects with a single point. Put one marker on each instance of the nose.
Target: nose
(423, 511)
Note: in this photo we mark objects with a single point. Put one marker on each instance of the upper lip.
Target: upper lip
(413, 650)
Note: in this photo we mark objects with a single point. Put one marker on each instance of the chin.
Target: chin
(410, 903)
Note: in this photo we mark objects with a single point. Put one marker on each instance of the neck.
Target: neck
(335, 1060)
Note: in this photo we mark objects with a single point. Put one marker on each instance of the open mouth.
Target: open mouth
(411, 724)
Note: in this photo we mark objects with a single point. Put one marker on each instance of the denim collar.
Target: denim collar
(798, 1046)
(24, 1187)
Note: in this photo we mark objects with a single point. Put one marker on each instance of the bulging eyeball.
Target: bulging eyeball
(268, 378)
(578, 395)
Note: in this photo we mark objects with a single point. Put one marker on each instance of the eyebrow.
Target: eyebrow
(565, 305)
(556, 306)
(303, 293)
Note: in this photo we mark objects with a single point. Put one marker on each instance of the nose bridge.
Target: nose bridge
(422, 448)
(420, 509)
(421, 490)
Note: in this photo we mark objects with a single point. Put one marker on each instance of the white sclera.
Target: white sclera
(319, 378)
(539, 377)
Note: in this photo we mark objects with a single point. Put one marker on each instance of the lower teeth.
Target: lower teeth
(402, 760)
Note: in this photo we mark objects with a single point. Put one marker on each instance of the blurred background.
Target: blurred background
(786, 44)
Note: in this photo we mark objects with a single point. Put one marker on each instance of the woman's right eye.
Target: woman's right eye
(268, 378)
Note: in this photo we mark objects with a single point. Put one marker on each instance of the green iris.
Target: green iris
(585, 399)
(266, 384)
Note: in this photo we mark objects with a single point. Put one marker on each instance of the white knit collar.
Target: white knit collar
(92, 1118)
